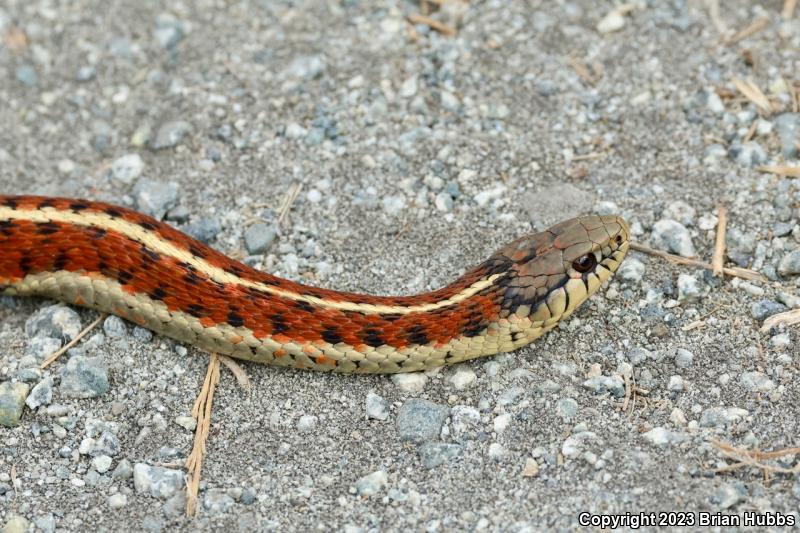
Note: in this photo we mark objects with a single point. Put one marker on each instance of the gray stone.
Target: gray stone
(756, 381)
(680, 211)
(683, 358)
(217, 502)
(689, 288)
(12, 401)
(638, 355)
(204, 229)
(306, 67)
(123, 471)
(16, 524)
(259, 237)
(672, 236)
(631, 271)
(114, 327)
(141, 334)
(155, 198)
(660, 436)
(156, 481)
(168, 31)
(721, 416)
(420, 420)
(790, 264)
(26, 75)
(766, 308)
(127, 168)
(433, 454)
(42, 394)
(170, 134)
(55, 321)
(106, 444)
(41, 347)
(567, 408)
(307, 423)
(86, 73)
(84, 377)
(46, 523)
(788, 127)
(748, 154)
(728, 495)
(603, 384)
(371, 484)
(377, 408)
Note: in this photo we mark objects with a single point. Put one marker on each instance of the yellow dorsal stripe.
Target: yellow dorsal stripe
(166, 248)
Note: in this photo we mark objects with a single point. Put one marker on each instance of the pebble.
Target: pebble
(127, 168)
(638, 355)
(204, 229)
(307, 423)
(117, 501)
(756, 381)
(306, 67)
(16, 524)
(660, 436)
(672, 236)
(12, 401)
(420, 420)
(186, 422)
(371, 484)
(721, 416)
(84, 377)
(748, 154)
(790, 264)
(680, 211)
(464, 419)
(613, 21)
(26, 75)
(676, 384)
(433, 454)
(114, 327)
(157, 481)
(86, 73)
(631, 271)
(42, 394)
(216, 502)
(169, 30)
(462, 377)
(604, 384)
(567, 408)
(123, 471)
(47, 523)
(102, 463)
(575, 444)
(689, 288)
(788, 127)
(170, 134)
(443, 202)
(410, 382)
(683, 357)
(155, 198)
(766, 308)
(728, 495)
(259, 237)
(377, 408)
(55, 321)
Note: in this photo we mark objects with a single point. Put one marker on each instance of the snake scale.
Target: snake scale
(119, 261)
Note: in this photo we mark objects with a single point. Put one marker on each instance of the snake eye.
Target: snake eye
(618, 240)
(584, 263)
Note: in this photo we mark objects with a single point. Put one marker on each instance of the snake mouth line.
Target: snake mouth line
(122, 262)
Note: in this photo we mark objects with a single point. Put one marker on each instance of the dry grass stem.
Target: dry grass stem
(433, 24)
(582, 72)
(743, 273)
(238, 372)
(781, 170)
(73, 342)
(754, 27)
(788, 8)
(788, 318)
(755, 458)
(202, 413)
(751, 91)
(719, 245)
(288, 201)
(713, 13)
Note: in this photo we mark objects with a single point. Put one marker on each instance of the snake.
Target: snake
(122, 262)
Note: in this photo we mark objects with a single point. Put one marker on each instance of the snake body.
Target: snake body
(119, 261)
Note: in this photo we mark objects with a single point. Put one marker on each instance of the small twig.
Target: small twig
(793, 93)
(781, 170)
(788, 318)
(752, 92)
(73, 342)
(751, 132)
(753, 458)
(744, 273)
(433, 24)
(237, 371)
(754, 27)
(288, 201)
(713, 13)
(591, 155)
(719, 245)
(788, 8)
(581, 70)
(202, 413)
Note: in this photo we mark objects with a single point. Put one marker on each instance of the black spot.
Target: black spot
(196, 310)
(372, 337)
(97, 233)
(47, 228)
(305, 306)
(275, 282)
(113, 212)
(392, 317)
(157, 294)
(233, 269)
(146, 224)
(312, 293)
(278, 323)
(78, 206)
(149, 255)
(123, 276)
(47, 202)
(235, 320)
(10, 202)
(60, 261)
(6, 227)
(331, 335)
(197, 252)
(473, 329)
(416, 335)
(25, 264)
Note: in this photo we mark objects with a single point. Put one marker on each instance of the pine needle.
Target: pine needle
(55, 355)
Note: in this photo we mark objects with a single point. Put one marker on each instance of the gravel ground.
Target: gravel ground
(414, 155)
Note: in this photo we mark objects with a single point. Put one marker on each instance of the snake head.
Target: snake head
(553, 272)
